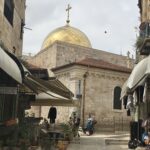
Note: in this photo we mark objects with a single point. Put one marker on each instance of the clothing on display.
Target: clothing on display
(145, 93)
(52, 114)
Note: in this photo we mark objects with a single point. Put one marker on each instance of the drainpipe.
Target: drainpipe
(83, 98)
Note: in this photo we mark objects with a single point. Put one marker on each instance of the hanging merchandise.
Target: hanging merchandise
(146, 123)
(145, 93)
(52, 114)
(140, 91)
(130, 105)
(135, 98)
(125, 101)
(128, 112)
(129, 101)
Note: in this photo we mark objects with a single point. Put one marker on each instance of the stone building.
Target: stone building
(94, 76)
(16, 91)
(12, 18)
(144, 6)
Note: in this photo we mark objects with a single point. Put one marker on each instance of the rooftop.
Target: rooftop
(90, 62)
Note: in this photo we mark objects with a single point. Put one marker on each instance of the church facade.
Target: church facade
(94, 76)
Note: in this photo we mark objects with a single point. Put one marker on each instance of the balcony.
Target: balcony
(143, 41)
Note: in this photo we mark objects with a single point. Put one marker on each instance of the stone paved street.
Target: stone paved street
(96, 142)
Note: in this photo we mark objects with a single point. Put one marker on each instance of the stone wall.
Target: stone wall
(145, 15)
(61, 53)
(45, 59)
(10, 34)
(99, 93)
(72, 53)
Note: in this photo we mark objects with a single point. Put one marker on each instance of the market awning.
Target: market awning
(50, 92)
(39, 86)
(8, 65)
(124, 90)
(50, 98)
(47, 92)
(138, 75)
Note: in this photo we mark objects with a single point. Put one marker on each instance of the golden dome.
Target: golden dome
(67, 34)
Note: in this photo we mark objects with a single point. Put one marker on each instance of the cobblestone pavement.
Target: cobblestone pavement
(94, 142)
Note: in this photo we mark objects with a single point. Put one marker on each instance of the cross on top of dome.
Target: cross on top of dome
(68, 13)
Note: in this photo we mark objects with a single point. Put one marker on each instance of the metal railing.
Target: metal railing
(113, 124)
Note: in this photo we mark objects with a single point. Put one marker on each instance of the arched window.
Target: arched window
(117, 101)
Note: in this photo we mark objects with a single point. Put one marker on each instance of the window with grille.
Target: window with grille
(117, 102)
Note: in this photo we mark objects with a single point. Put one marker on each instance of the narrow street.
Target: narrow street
(97, 142)
(71, 70)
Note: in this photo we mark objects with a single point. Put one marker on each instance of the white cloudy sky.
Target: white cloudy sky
(118, 17)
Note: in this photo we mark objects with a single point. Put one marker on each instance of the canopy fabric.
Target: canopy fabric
(139, 73)
(34, 85)
(50, 98)
(138, 76)
(47, 92)
(55, 82)
(56, 85)
(124, 90)
(49, 95)
(8, 65)
(56, 102)
(39, 85)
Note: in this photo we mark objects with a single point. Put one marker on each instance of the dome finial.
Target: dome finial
(68, 15)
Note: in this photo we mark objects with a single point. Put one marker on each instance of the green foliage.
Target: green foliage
(24, 131)
(67, 129)
(139, 42)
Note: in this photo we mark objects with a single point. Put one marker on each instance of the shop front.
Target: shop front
(136, 98)
(18, 88)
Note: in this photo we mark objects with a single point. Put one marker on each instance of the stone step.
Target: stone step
(114, 141)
